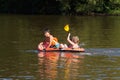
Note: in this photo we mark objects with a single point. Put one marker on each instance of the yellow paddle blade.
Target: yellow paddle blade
(66, 28)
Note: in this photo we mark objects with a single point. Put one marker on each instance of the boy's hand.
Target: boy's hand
(69, 34)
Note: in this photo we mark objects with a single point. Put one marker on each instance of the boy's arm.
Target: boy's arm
(68, 39)
(41, 43)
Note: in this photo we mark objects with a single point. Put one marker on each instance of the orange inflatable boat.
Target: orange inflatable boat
(62, 50)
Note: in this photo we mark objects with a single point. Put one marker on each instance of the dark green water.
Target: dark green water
(20, 60)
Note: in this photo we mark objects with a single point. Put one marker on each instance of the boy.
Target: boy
(49, 42)
(74, 42)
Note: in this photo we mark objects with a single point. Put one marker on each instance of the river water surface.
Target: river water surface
(20, 60)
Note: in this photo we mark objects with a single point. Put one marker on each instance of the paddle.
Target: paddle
(66, 28)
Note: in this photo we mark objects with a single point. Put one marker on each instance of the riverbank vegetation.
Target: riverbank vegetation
(61, 7)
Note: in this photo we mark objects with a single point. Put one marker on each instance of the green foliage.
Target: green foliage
(66, 7)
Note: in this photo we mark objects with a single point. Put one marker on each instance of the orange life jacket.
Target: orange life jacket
(55, 40)
(47, 41)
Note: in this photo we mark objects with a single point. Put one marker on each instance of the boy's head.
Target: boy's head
(47, 32)
(75, 39)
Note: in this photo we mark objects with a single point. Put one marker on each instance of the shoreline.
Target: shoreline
(87, 14)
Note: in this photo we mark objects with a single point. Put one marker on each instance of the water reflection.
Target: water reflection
(56, 65)
(48, 63)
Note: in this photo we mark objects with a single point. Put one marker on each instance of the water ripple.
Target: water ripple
(104, 51)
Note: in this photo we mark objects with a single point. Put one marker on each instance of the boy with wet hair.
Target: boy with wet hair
(49, 41)
(74, 42)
